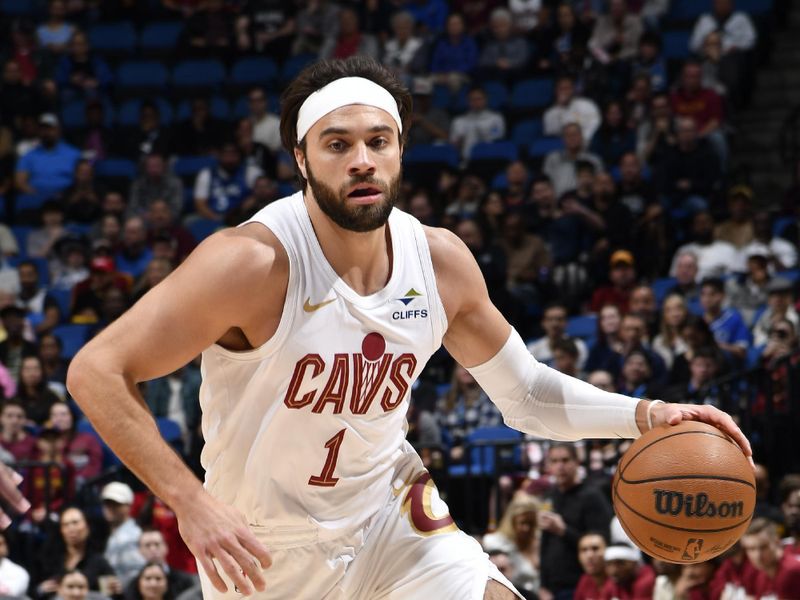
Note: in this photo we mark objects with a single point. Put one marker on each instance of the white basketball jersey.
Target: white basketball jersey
(311, 425)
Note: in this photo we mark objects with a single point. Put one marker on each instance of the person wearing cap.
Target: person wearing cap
(628, 577)
(715, 258)
(122, 547)
(49, 168)
(622, 278)
(780, 305)
(88, 296)
(431, 124)
(782, 253)
(315, 320)
(737, 229)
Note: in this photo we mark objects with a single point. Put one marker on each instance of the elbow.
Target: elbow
(78, 376)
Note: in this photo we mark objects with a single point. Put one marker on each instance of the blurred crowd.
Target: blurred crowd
(580, 149)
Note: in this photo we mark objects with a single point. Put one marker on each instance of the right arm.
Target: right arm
(222, 288)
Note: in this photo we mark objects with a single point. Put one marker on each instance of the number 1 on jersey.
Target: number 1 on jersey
(326, 478)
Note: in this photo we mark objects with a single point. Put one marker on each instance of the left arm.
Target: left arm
(533, 397)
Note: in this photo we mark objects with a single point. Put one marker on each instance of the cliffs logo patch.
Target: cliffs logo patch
(409, 297)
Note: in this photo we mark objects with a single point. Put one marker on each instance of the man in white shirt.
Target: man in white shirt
(122, 548)
(13, 578)
(478, 124)
(266, 126)
(736, 28)
(780, 253)
(715, 258)
(561, 165)
(570, 108)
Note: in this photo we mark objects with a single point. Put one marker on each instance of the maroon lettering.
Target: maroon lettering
(336, 388)
(309, 360)
(402, 382)
(361, 398)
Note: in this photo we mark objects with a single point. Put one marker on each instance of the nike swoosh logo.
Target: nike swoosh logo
(308, 307)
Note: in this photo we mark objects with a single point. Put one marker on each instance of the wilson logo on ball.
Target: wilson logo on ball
(673, 503)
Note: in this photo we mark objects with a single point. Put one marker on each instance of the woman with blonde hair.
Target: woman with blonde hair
(518, 536)
(669, 343)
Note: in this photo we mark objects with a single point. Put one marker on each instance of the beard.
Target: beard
(360, 217)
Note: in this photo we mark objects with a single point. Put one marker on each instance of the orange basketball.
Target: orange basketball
(684, 494)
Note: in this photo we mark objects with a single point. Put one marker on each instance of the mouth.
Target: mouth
(365, 194)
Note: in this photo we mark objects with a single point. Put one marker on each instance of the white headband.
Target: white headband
(620, 552)
(342, 92)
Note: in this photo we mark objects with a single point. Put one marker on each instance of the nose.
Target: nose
(361, 162)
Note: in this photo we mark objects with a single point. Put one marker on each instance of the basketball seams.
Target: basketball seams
(674, 477)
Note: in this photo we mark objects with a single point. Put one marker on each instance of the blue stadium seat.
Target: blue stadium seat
(689, 10)
(676, 44)
(28, 202)
(220, 109)
(202, 228)
(190, 166)
(661, 286)
(207, 73)
(484, 459)
(115, 167)
(169, 430)
(21, 234)
(431, 153)
(790, 274)
(64, 300)
(242, 107)
(73, 114)
(754, 7)
(531, 94)
(72, 337)
(254, 70)
(128, 115)
(545, 145)
(117, 37)
(525, 132)
(496, 94)
(161, 35)
(501, 150)
(582, 326)
(782, 223)
(18, 8)
(441, 97)
(142, 74)
(294, 65)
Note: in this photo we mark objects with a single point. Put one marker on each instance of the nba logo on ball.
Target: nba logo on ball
(684, 494)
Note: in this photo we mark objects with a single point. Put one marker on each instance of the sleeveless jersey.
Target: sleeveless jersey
(310, 426)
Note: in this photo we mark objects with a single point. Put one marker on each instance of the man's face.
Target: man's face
(660, 107)
(686, 269)
(477, 100)
(554, 322)
(703, 228)
(702, 369)
(11, 73)
(12, 419)
(687, 132)
(723, 8)
(28, 277)
(603, 186)
(74, 586)
(635, 369)
(622, 274)
(49, 134)
(470, 234)
(455, 25)
(562, 466)
(258, 103)
(13, 324)
(573, 138)
(691, 77)
(564, 362)
(154, 167)
(711, 298)
(230, 158)
(73, 527)
(629, 168)
(153, 547)
(643, 301)
(543, 194)
(779, 302)
(763, 551)
(791, 512)
(352, 164)
(134, 233)
(565, 90)
(621, 572)
(501, 28)
(115, 513)
(159, 215)
(590, 554)
(632, 330)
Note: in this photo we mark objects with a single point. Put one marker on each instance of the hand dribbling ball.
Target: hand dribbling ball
(684, 493)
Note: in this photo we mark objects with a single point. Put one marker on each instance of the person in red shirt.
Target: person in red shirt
(790, 507)
(622, 275)
(628, 578)
(777, 574)
(729, 580)
(591, 548)
(151, 511)
(13, 437)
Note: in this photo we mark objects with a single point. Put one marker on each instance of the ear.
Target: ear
(300, 157)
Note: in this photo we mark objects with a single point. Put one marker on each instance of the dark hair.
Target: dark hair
(168, 594)
(320, 74)
(699, 325)
(640, 352)
(788, 485)
(705, 352)
(63, 575)
(651, 38)
(585, 165)
(568, 446)
(541, 179)
(567, 346)
(12, 402)
(29, 263)
(713, 282)
(554, 304)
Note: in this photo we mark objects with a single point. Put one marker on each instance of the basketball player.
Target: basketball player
(314, 320)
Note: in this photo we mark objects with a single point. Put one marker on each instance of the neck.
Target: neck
(599, 579)
(362, 260)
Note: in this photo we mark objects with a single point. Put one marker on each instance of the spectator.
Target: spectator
(569, 108)
(616, 35)
(609, 221)
(777, 572)
(14, 579)
(80, 73)
(349, 39)
(780, 300)
(53, 365)
(781, 253)
(43, 311)
(718, 74)
(134, 254)
(627, 576)
(669, 343)
(82, 198)
(90, 293)
(790, 507)
(210, 26)
(73, 548)
(401, 48)
(267, 28)
(49, 484)
(638, 101)
(703, 369)
(95, 140)
(201, 134)
(464, 408)
(505, 53)
(554, 324)
(525, 14)
(622, 278)
(154, 550)
(222, 188)
(14, 439)
(122, 547)
(656, 134)
(161, 221)
(747, 292)
(691, 581)
(69, 267)
(650, 62)
(15, 347)
(726, 323)
(41, 240)
(764, 505)
(314, 25)
(714, 257)
(150, 136)
(429, 124)
(152, 583)
(8, 243)
(633, 335)
(734, 570)
(153, 514)
(157, 271)
(517, 537)
(737, 229)
(560, 165)
(528, 257)
(20, 97)
(605, 352)
(613, 139)
(642, 302)
(254, 153)
(577, 509)
(81, 450)
(49, 168)
(565, 358)
(455, 55)
(703, 106)
(637, 194)
(736, 28)
(55, 33)
(685, 273)
(265, 124)
(478, 124)
(591, 549)
(155, 182)
(636, 375)
(33, 390)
